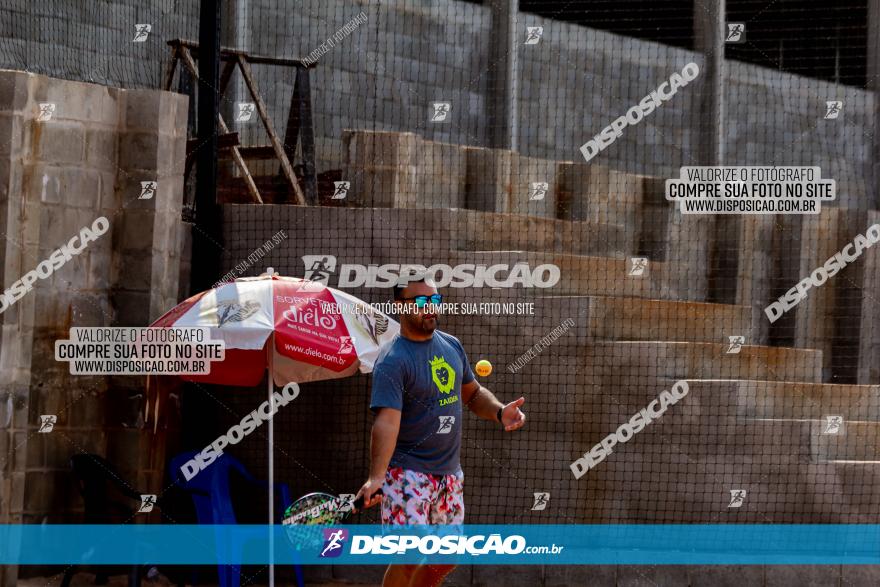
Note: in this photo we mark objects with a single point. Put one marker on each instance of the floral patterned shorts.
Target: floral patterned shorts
(412, 498)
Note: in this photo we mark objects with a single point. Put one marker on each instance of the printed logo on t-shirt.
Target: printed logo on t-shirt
(443, 374)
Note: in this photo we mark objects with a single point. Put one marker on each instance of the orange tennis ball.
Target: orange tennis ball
(484, 368)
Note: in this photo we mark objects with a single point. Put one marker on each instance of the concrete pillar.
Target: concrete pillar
(692, 236)
(709, 34)
(146, 261)
(151, 147)
(504, 43)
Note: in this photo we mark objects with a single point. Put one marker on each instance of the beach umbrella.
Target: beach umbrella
(298, 330)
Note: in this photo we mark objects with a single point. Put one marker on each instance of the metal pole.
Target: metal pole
(710, 33)
(271, 481)
(205, 252)
(237, 34)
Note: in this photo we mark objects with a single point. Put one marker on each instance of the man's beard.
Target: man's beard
(426, 325)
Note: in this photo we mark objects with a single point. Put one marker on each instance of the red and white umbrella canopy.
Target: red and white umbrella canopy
(315, 332)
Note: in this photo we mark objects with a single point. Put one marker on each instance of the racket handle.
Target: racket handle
(359, 502)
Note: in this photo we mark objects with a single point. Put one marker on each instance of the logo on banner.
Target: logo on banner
(319, 267)
(334, 538)
(309, 316)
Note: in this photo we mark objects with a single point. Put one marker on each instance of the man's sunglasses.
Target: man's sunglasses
(422, 301)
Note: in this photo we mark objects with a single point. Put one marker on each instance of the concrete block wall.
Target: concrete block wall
(387, 72)
(91, 41)
(703, 257)
(58, 176)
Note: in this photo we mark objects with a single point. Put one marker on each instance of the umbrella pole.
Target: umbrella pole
(271, 487)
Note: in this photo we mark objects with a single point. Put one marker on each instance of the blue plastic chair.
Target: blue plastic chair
(211, 496)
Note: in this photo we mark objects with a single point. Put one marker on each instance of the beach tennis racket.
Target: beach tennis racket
(317, 509)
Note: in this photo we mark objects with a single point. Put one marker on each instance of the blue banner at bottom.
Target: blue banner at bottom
(629, 544)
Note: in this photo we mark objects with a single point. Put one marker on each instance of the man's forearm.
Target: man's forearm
(383, 438)
(485, 405)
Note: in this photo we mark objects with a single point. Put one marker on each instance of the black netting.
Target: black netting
(459, 134)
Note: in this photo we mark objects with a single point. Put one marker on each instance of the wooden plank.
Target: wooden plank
(225, 141)
(228, 68)
(228, 54)
(277, 60)
(273, 138)
(261, 152)
(169, 70)
(236, 156)
(245, 172)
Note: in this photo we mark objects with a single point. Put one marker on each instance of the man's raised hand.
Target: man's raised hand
(512, 417)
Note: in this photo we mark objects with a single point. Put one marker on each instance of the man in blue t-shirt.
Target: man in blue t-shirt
(419, 387)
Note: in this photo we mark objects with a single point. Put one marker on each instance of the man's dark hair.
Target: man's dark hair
(419, 277)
